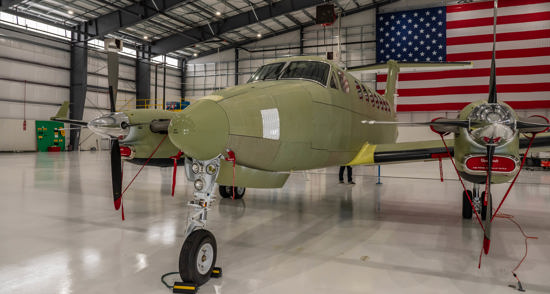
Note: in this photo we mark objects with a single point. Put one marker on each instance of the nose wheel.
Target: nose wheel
(198, 257)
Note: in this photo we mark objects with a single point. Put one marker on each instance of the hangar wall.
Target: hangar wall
(216, 71)
(35, 80)
(209, 73)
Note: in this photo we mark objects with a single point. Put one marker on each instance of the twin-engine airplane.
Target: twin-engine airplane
(301, 113)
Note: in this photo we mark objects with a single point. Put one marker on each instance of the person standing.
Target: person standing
(341, 175)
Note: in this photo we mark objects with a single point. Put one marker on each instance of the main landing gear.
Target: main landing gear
(198, 254)
(477, 200)
(227, 192)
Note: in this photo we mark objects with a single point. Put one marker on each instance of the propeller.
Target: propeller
(488, 199)
(113, 46)
(490, 145)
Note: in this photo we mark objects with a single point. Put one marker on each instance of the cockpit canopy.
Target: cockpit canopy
(303, 69)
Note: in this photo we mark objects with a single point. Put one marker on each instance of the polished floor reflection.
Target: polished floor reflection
(60, 234)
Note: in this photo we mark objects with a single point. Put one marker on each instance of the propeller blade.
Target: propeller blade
(493, 80)
(489, 216)
(116, 173)
(112, 68)
(533, 124)
(112, 46)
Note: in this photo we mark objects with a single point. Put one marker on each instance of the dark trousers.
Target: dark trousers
(341, 174)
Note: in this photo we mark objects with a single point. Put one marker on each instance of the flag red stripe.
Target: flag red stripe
(431, 107)
(505, 19)
(472, 89)
(489, 5)
(502, 37)
(459, 105)
(469, 73)
(512, 53)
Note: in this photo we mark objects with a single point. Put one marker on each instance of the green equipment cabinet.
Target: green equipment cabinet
(50, 136)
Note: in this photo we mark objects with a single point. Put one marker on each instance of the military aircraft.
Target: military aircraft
(301, 113)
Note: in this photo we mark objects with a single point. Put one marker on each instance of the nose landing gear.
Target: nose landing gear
(199, 251)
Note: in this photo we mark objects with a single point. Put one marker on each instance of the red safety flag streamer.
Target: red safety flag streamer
(231, 157)
(140, 169)
(175, 158)
(516, 177)
(462, 182)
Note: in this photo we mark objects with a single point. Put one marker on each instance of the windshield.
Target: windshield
(311, 70)
(267, 72)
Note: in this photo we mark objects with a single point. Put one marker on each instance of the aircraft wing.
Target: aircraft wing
(421, 150)
(541, 140)
(402, 152)
(62, 114)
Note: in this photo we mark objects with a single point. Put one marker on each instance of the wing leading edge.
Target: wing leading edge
(402, 152)
(421, 150)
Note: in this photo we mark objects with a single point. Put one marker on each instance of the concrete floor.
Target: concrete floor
(59, 232)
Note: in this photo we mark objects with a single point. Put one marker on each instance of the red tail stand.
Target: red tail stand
(175, 158)
(231, 157)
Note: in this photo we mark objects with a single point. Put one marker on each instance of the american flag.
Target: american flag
(464, 32)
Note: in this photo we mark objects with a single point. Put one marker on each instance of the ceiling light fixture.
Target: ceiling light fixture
(195, 54)
(70, 12)
(259, 35)
(218, 13)
(145, 38)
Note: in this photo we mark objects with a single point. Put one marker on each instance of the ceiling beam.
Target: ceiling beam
(128, 16)
(240, 20)
(372, 5)
(5, 4)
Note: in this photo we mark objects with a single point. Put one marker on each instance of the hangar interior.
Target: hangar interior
(398, 229)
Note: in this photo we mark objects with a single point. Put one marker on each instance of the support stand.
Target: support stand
(379, 182)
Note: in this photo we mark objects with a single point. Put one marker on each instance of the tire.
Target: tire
(227, 192)
(466, 207)
(198, 257)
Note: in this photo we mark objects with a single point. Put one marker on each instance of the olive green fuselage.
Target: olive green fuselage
(311, 125)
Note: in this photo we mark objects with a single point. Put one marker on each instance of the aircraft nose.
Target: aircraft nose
(201, 131)
(111, 125)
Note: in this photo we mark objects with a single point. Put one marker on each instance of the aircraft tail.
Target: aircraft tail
(391, 82)
(62, 112)
(392, 68)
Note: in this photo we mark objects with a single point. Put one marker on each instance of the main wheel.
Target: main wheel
(227, 192)
(466, 206)
(198, 257)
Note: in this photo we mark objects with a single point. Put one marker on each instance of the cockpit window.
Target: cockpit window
(267, 72)
(310, 70)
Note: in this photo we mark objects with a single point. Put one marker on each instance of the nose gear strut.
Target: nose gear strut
(198, 253)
